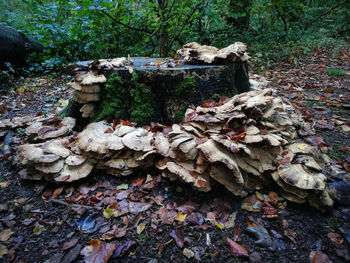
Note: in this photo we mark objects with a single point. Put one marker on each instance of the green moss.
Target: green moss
(181, 113)
(186, 87)
(142, 108)
(112, 105)
(118, 101)
(216, 97)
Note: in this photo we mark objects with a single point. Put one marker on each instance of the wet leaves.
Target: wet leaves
(5, 235)
(97, 251)
(236, 249)
(116, 232)
(336, 239)
(124, 248)
(178, 238)
(319, 257)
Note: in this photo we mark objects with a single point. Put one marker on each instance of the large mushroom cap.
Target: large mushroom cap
(301, 177)
(73, 173)
(94, 88)
(57, 147)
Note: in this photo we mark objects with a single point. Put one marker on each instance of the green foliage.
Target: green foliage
(118, 101)
(335, 72)
(185, 88)
(74, 30)
(141, 106)
(113, 104)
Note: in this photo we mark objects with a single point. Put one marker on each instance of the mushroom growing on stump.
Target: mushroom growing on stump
(243, 143)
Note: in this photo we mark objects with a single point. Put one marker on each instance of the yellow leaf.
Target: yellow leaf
(345, 128)
(218, 225)
(259, 196)
(123, 187)
(131, 70)
(5, 235)
(180, 217)
(108, 213)
(38, 229)
(140, 228)
(3, 251)
(4, 184)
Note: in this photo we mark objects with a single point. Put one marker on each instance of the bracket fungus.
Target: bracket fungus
(194, 53)
(246, 142)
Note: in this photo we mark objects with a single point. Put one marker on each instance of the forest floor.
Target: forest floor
(44, 222)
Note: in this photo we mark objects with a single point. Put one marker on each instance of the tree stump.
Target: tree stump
(173, 87)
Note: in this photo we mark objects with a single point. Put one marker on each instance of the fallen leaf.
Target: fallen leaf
(272, 198)
(236, 249)
(336, 239)
(89, 223)
(3, 251)
(290, 233)
(187, 207)
(315, 140)
(217, 224)
(97, 251)
(138, 182)
(188, 253)
(178, 238)
(140, 228)
(345, 128)
(251, 203)
(69, 244)
(319, 257)
(116, 232)
(5, 235)
(108, 213)
(180, 217)
(4, 184)
(124, 248)
(57, 192)
(138, 207)
(123, 187)
(38, 229)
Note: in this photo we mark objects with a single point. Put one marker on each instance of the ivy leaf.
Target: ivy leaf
(97, 251)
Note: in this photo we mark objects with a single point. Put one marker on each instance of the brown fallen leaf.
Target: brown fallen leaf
(116, 232)
(290, 233)
(97, 251)
(57, 192)
(3, 251)
(336, 239)
(178, 238)
(236, 249)
(319, 257)
(5, 235)
(69, 244)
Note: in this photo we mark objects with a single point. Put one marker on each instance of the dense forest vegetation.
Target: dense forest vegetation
(86, 29)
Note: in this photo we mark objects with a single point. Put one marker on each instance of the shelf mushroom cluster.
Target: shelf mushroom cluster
(246, 142)
(87, 83)
(194, 53)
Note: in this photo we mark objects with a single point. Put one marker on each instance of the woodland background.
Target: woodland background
(274, 30)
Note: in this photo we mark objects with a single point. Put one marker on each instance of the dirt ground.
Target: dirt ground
(44, 222)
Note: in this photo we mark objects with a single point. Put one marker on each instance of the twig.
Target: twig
(183, 25)
(61, 202)
(125, 25)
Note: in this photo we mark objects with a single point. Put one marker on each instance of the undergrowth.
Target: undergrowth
(119, 101)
